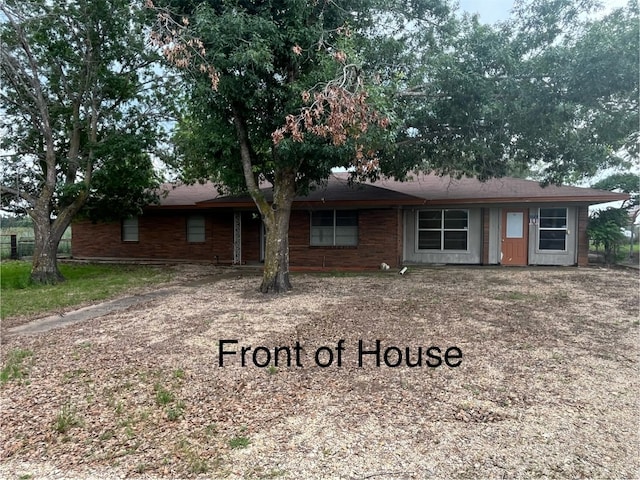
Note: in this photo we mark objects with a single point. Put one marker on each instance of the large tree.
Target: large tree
(554, 89)
(80, 111)
(291, 96)
(290, 89)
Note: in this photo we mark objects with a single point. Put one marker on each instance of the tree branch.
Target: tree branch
(247, 167)
(18, 193)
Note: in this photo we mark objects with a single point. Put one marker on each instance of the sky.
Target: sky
(492, 11)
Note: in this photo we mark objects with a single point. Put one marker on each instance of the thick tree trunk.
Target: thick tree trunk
(45, 262)
(275, 277)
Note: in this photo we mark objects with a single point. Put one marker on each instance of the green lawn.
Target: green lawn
(624, 248)
(84, 283)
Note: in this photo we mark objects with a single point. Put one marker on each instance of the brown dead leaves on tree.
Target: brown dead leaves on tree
(178, 46)
(337, 110)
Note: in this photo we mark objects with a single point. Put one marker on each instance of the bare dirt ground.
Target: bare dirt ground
(547, 386)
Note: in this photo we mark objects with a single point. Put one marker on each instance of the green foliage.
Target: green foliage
(605, 230)
(197, 465)
(82, 104)
(622, 182)
(85, 283)
(122, 188)
(163, 396)
(239, 442)
(258, 42)
(550, 89)
(66, 419)
(176, 411)
(14, 369)
(103, 97)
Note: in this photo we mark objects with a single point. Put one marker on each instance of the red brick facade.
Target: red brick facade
(163, 235)
(583, 240)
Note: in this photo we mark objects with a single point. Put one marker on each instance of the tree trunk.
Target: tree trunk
(45, 261)
(275, 277)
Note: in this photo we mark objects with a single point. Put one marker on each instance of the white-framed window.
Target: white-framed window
(129, 230)
(443, 229)
(195, 229)
(334, 228)
(552, 229)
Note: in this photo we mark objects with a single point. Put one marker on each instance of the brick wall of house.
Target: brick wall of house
(583, 240)
(251, 226)
(377, 242)
(163, 235)
(160, 236)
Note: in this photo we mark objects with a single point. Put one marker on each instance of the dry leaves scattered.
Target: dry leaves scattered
(548, 385)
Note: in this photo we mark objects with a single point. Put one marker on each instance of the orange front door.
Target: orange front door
(515, 227)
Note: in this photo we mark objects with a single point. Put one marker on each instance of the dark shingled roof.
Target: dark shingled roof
(436, 189)
(418, 189)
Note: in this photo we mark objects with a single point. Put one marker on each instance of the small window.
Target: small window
(130, 229)
(552, 230)
(334, 228)
(443, 229)
(195, 229)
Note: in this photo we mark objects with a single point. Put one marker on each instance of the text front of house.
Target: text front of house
(426, 220)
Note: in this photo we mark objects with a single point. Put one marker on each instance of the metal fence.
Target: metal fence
(15, 246)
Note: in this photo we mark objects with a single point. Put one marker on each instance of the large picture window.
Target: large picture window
(334, 228)
(129, 230)
(195, 229)
(552, 229)
(443, 229)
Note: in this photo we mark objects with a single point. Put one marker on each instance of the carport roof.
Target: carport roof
(418, 189)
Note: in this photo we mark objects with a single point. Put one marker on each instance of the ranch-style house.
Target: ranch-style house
(428, 219)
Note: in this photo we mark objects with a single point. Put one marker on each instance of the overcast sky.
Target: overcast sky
(492, 11)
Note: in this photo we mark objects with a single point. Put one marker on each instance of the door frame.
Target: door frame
(525, 234)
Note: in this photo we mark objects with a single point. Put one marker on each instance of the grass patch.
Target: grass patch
(198, 465)
(84, 283)
(14, 368)
(66, 420)
(239, 442)
(176, 411)
(163, 396)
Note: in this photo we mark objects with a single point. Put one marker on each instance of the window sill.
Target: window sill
(443, 251)
(334, 247)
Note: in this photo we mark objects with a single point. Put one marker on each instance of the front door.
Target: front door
(514, 236)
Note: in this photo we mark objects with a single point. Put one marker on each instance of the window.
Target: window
(130, 229)
(334, 228)
(443, 229)
(552, 229)
(195, 229)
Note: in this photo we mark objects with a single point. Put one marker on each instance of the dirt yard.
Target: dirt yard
(535, 375)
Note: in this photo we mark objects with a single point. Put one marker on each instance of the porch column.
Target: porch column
(237, 238)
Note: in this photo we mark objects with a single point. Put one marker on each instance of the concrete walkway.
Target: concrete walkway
(60, 320)
(86, 313)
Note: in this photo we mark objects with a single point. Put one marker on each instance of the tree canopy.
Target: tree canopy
(81, 99)
(552, 89)
(293, 95)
